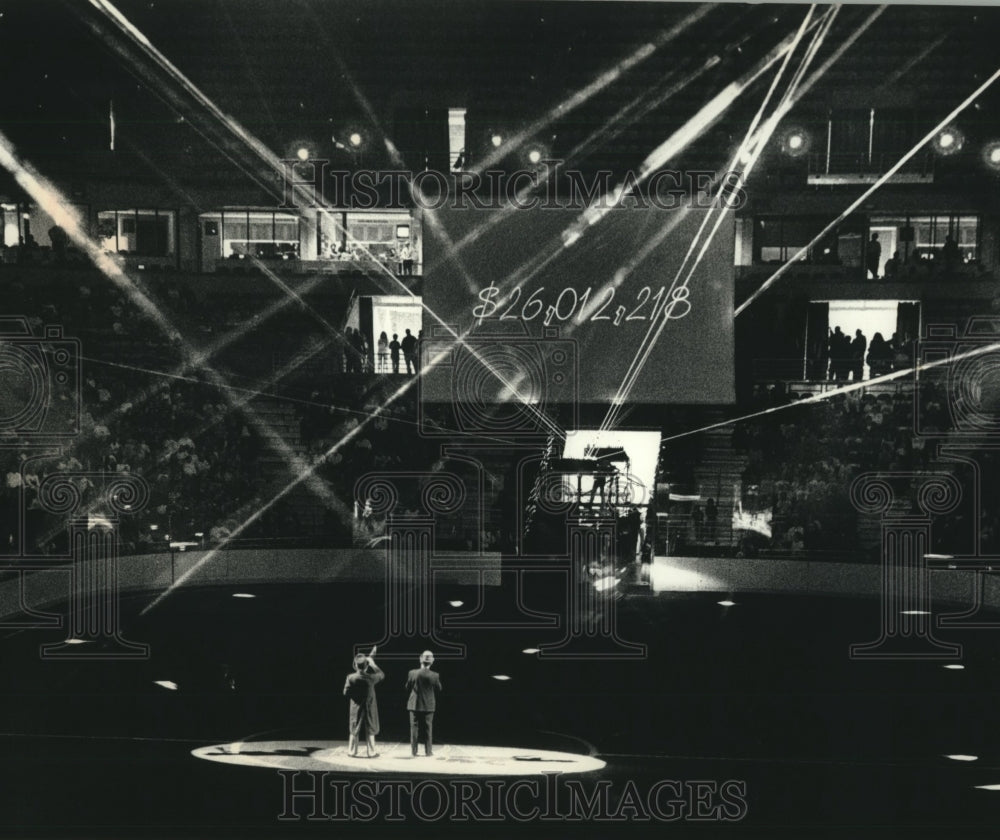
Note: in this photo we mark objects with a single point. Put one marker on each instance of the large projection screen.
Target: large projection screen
(570, 322)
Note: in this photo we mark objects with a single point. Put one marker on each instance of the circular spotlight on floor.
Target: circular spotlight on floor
(948, 141)
(960, 757)
(170, 685)
(954, 667)
(795, 142)
(915, 612)
(530, 651)
(456, 604)
(727, 603)
(243, 595)
(991, 155)
(76, 641)
(501, 677)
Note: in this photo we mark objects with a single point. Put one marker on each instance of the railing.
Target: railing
(921, 164)
(751, 277)
(801, 373)
(531, 508)
(295, 265)
(770, 370)
(802, 269)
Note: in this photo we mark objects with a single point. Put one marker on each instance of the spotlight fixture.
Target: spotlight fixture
(795, 142)
(351, 139)
(496, 138)
(991, 155)
(948, 141)
(301, 150)
(534, 153)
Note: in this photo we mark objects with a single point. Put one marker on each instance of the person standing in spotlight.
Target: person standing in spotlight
(359, 688)
(424, 685)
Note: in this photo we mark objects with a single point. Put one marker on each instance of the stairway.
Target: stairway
(283, 458)
(719, 475)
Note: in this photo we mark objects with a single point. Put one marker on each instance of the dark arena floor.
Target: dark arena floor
(749, 719)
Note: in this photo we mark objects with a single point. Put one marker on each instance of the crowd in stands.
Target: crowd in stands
(198, 446)
(400, 259)
(803, 460)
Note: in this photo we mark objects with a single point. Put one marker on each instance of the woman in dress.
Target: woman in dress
(383, 352)
(359, 688)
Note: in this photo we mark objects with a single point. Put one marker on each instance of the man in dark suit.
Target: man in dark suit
(409, 347)
(424, 685)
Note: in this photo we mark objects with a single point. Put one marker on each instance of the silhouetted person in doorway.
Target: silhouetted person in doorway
(858, 348)
(711, 517)
(409, 346)
(394, 348)
(950, 253)
(873, 256)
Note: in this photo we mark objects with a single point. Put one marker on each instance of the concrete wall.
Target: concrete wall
(155, 572)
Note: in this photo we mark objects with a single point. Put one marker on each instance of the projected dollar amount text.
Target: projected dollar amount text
(570, 305)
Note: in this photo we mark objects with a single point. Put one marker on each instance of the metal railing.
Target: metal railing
(850, 163)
